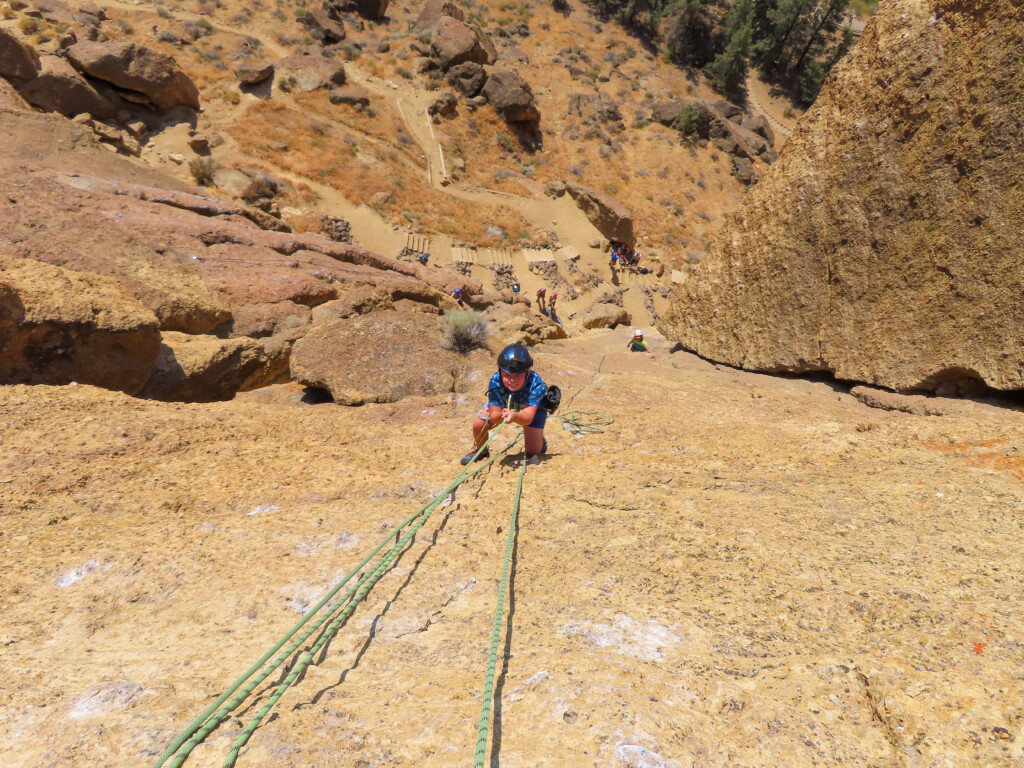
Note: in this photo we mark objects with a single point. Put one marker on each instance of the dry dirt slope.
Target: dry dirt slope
(742, 571)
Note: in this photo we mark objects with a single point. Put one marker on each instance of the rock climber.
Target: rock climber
(637, 343)
(514, 396)
(515, 292)
(551, 305)
(457, 295)
(423, 258)
(541, 292)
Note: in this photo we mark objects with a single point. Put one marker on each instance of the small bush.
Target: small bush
(162, 12)
(467, 330)
(231, 97)
(350, 51)
(688, 122)
(28, 25)
(202, 170)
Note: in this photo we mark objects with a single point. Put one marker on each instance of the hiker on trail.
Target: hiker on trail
(515, 395)
(637, 343)
(541, 292)
(457, 295)
(423, 258)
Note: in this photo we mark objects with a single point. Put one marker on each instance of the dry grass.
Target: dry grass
(363, 159)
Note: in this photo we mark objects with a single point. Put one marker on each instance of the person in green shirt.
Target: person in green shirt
(637, 343)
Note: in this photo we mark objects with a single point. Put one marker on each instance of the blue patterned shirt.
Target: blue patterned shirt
(530, 394)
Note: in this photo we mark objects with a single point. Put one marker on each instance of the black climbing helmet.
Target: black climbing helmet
(515, 358)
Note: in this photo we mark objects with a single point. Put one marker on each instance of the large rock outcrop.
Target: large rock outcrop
(511, 96)
(136, 68)
(59, 88)
(377, 358)
(205, 368)
(885, 245)
(455, 42)
(17, 60)
(610, 217)
(59, 326)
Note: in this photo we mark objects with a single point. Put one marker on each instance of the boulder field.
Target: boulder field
(883, 246)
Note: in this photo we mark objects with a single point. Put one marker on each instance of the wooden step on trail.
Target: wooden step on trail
(499, 256)
(465, 256)
(417, 243)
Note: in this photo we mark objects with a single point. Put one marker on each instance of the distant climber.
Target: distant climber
(515, 292)
(457, 295)
(541, 292)
(424, 257)
(637, 343)
(515, 395)
(551, 305)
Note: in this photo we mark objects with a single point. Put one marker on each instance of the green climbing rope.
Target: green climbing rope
(587, 422)
(210, 718)
(492, 658)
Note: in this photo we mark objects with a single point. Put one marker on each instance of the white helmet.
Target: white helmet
(638, 332)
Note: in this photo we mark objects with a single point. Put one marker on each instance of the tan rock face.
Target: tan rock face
(136, 68)
(377, 358)
(884, 246)
(59, 326)
(691, 585)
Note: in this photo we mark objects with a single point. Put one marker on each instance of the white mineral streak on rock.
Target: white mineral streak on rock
(635, 756)
(626, 636)
(104, 697)
(263, 508)
(77, 573)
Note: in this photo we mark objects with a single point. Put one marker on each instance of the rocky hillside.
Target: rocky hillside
(884, 246)
(450, 129)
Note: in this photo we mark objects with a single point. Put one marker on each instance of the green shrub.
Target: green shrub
(467, 330)
(687, 122)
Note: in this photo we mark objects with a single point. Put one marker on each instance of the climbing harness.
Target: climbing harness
(329, 615)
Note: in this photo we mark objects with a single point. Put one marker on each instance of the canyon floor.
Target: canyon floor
(742, 570)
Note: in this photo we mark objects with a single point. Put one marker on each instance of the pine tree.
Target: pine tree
(783, 21)
(689, 38)
(826, 21)
(728, 71)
